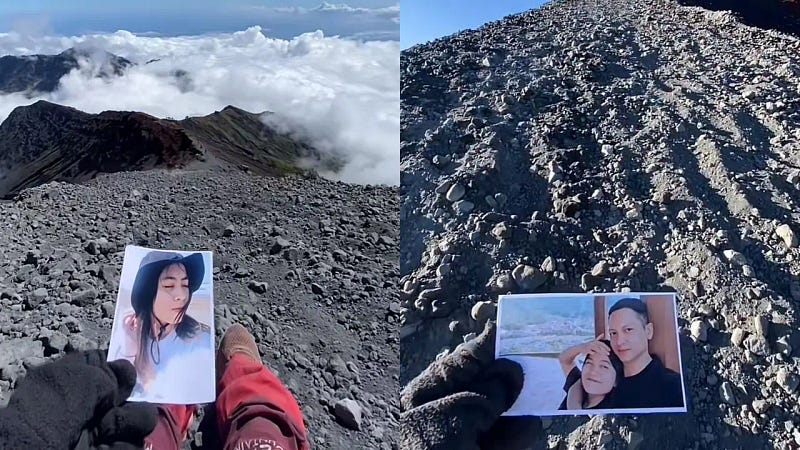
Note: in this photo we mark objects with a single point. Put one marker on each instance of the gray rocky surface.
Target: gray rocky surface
(616, 146)
(61, 249)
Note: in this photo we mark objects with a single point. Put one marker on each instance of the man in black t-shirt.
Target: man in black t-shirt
(647, 383)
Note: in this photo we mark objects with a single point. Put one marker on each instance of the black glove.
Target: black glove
(456, 402)
(76, 402)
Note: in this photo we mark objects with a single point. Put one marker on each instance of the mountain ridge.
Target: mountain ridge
(36, 74)
(45, 142)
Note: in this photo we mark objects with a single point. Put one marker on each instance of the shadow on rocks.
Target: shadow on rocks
(646, 431)
(779, 15)
(700, 187)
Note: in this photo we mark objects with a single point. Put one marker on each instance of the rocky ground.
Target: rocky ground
(309, 265)
(605, 146)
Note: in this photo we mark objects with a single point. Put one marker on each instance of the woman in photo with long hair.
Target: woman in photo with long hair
(161, 339)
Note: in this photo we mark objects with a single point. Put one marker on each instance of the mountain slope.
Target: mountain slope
(41, 73)
(44, 142)
(308, 265)
(613, 145)
(240, 138)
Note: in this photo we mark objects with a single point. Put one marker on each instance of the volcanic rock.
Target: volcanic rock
(483, 311)
(455, 192)
(786, 380)
(658, 137)
(699, 330)
(349, 412)
(286, 318)
(787, 234)
(528, 278)
(44, 142)
(258, 287)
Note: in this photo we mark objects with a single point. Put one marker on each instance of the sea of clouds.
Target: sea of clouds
(343, 95)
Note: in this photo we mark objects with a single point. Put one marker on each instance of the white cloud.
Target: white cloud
(332, 7)
(381, 23)
(342, 94)
(325, 6)
(343, 7)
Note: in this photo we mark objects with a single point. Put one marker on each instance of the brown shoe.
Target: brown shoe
(236, 340)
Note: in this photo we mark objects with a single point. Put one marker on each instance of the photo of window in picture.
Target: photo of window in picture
(163, 325)
(593, 353)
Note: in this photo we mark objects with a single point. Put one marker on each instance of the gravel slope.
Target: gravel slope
(609, 145)
(327, 253)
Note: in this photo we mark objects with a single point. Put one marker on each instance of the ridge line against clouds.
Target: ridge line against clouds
(341, 95)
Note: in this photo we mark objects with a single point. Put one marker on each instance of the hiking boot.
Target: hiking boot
(236, 340)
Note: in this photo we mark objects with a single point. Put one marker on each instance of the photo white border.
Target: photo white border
(129, 249)
(597, 412)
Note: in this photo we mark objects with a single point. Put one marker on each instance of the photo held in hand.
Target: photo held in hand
(593, 353)
(163, 325)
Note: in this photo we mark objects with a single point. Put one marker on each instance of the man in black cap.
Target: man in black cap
(647, 383)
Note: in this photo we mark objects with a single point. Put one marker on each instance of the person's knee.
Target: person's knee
(259, 425)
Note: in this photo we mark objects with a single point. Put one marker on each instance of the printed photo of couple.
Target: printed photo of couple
(593, 353)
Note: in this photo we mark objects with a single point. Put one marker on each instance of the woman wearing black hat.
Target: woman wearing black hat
(161, 339)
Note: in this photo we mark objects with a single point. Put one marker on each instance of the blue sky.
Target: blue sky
(524, 310)
(425, 20)
(366, 19)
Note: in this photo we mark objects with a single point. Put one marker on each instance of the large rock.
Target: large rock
(735, 257)
(528, 278)
(760, 325)
(39, 294)
(56, 342)
(278, 245)
(259, 287)
(463, 206)
(737, 336)
(787, 380)
(15, 350)
(727, 393)
(99, 246)
(456, 192)
(84, 298)
(483, 311)
(349, 413)
(36, 298)
(107, 308)
(699, 330)
(787, 234)
(758, 345)
(600, 269)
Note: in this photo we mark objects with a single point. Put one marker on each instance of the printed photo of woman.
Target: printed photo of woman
(170, 348)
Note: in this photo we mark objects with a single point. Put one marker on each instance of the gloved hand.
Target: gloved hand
(456, 402)
(76, 402)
